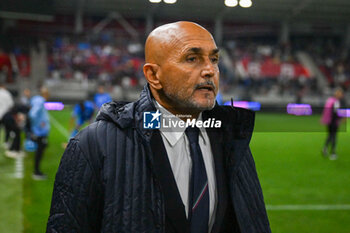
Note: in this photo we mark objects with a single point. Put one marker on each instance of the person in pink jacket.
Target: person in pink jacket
(331, 119)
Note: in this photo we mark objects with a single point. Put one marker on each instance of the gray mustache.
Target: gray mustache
(206, 83)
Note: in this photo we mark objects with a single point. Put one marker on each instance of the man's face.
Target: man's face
(339, 94)
(190, 75)
(100, 89)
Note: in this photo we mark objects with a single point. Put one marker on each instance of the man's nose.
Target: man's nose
(208, 69)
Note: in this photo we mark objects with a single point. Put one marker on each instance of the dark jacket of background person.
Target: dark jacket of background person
(114, 176)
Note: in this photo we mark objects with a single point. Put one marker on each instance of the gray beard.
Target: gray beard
(189, 103)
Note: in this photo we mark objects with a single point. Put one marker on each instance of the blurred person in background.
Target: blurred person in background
(14, 122)
(117, 175)
(82, 112)
(101, 97)
(24, 105)
(331, 119)
(24, 99)
(40, 128)
(6, 104)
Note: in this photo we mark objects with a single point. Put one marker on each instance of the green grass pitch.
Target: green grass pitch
(304, 192)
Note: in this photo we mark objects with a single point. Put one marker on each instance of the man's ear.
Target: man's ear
(152, 73)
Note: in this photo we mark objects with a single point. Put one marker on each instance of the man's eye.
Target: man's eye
(191, 59)
(214, 60)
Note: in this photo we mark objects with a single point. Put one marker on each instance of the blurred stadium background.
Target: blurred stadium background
(273, 53)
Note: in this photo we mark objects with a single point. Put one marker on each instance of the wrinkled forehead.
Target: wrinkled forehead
(188, 37)
(172, 38)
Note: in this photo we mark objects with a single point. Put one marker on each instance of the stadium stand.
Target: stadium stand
(256, 64)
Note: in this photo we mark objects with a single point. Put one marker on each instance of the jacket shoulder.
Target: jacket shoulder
(238, 121)
(94, 140)
(236, 112)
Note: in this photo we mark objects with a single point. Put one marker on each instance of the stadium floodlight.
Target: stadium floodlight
(231, 3)
(245, 3)
(155, 1)
(170, 1)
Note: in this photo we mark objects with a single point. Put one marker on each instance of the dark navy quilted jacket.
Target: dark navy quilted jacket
(105, 182)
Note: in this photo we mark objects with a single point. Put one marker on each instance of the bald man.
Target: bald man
(172, 161)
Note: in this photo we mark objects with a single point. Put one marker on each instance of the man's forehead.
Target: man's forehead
(175, 37)
(198, 46)
(188, 36)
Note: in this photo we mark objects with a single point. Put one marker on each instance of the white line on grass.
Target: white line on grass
(19, 168)
(308, 207)
(58, 126)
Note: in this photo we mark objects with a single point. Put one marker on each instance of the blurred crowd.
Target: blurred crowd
(96, 58)
(267, 68)
(331, 58)
(13, 64)
(259, 66)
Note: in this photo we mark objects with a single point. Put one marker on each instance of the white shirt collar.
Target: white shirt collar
(174, 134)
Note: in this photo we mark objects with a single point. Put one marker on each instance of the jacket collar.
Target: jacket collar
(126, 114)
(144, 104)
